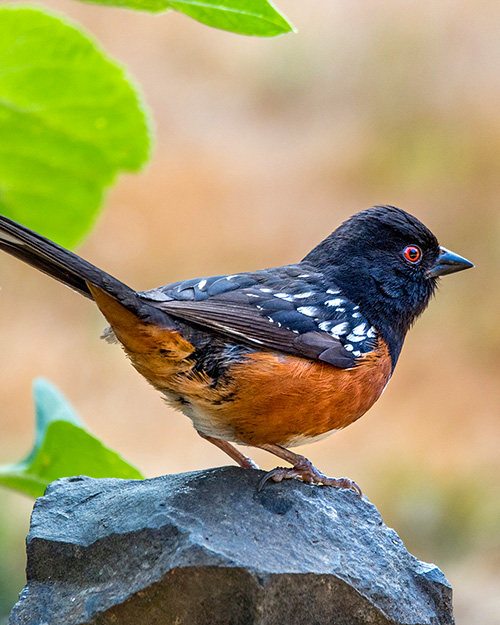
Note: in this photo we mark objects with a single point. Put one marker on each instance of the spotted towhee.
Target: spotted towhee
(277, 357)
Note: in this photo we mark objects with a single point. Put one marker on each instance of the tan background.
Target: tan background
(263, 147)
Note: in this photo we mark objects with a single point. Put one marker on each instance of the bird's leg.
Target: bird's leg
(231, 451)
(302, 469)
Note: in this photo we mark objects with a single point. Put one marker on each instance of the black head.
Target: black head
(386, 261)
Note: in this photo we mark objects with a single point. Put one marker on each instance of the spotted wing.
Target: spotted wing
(284, 309)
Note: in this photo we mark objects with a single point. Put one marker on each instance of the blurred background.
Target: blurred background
(263, 147)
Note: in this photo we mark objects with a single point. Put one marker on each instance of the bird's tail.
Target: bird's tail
(73, 271)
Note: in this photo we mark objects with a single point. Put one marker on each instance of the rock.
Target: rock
(206, 548)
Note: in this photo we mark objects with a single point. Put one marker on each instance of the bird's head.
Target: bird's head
(386, 261)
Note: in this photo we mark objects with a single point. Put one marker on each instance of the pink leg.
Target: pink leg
(231, 451)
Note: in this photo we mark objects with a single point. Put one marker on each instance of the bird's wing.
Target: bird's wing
(279, 309)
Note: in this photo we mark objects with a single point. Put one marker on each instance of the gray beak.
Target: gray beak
(448, 262)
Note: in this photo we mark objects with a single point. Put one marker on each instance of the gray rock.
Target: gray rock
(206, 548)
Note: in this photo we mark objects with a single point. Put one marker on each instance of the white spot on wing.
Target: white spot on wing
(264, 290)
(333, 291)
(309, 311)
(348, 347)
(360, 330)
(354, 338)
(303, 295)
(371, 333)
(334, 302)
(201, 284)
(340, 329)
(285, 296)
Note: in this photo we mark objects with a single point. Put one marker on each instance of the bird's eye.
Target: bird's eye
(412, 253)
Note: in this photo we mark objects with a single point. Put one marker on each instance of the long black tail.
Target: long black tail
(63, 265)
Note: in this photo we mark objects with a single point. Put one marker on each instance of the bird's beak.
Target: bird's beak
(448, 262)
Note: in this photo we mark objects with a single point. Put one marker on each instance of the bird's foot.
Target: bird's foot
(305, 471)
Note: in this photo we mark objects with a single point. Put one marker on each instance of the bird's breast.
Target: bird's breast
(290, 401)
(275, 398)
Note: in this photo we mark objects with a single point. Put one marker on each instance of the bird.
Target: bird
(273, 358)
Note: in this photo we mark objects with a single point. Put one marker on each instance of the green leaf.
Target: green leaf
(62, 448)
(245, 17)
(70, 120)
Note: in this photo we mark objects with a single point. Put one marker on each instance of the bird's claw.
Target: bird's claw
(307, 472)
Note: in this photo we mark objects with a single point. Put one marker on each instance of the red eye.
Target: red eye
(412, 253)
